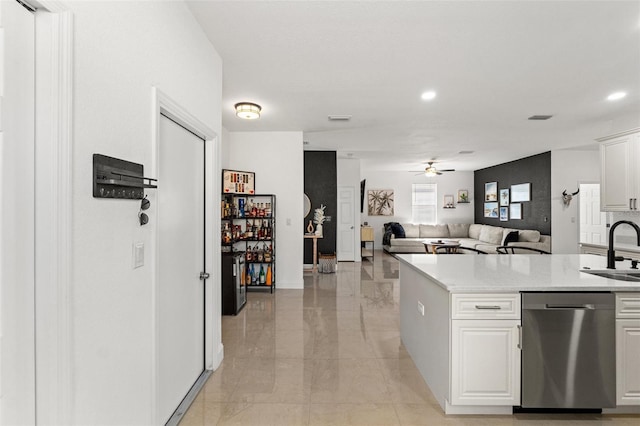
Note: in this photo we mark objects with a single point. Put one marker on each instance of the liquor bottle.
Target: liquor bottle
(252, 274)
(241, 207)
(267, 213)
(262, 277)
(269, 275)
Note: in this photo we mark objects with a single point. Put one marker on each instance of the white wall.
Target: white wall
(122, 50)
(448, 184)
(569, 168)
(348, 171)
(278, 162)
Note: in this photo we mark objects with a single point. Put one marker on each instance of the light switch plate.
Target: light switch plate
(138, 254)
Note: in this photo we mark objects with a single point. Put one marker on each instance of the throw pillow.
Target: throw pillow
(397, 230)
(511, 237)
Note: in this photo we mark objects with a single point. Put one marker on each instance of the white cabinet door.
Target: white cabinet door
(620, 178)
(485, 362)
(627, 364)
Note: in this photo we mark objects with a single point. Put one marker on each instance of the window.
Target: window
(424, 198)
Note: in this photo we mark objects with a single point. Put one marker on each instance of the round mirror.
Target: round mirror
(307, 205)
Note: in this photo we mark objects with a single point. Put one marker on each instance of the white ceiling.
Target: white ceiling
(492, 63)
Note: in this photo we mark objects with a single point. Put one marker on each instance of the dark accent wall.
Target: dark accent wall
(321, 186)
(536, 214)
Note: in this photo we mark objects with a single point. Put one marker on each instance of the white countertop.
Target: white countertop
(517, 272)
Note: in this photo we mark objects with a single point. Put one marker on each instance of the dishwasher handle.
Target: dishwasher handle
(586, 306)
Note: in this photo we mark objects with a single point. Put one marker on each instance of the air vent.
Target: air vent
(466, 152)
(540, 117)
(339, 117)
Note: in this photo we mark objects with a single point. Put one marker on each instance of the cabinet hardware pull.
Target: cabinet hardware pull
(630, 203)
(491, 307)
(635, 204)
(519, 336)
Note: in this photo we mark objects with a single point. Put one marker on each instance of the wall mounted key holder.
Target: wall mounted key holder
(116, 178)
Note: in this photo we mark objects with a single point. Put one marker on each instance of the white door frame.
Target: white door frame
(53, 220)
(163, 104)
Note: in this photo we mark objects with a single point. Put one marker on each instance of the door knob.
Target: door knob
(204, 275)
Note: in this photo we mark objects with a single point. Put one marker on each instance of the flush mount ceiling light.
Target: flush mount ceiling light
(248, 110)
(428, 96)
(615, 96)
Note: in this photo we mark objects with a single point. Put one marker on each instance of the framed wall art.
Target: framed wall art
(515, 211)
(491, 210)
(491, 192)
(520, 192)
(504, 214)
(237, 182)
(504, 197)
(463, 196)
(380, 202)
(448, 202)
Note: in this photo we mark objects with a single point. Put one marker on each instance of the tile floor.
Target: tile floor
(331, 355)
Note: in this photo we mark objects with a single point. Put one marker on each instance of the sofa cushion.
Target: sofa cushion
(510, 237)
(397, 230)
(529, 236)
(458, 230)
(434, 231)
(491, 234)
(474, 231)
(406, 242)
(411, 230)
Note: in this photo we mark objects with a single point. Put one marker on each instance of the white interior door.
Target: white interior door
(17, 226)
(181, 259)
(593, 228)
(346, 224)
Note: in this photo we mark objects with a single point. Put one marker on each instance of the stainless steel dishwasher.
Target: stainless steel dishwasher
(568, 350)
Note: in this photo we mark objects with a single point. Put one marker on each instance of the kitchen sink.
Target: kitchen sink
(617, 275)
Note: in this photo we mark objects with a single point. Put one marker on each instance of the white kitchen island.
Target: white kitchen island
(460, 321)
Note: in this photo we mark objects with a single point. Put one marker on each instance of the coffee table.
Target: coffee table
(448, 246)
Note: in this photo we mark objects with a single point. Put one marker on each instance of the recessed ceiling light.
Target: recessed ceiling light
(428, 96)
(615, 96)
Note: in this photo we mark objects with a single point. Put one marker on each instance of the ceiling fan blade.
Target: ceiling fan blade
(446, 170)
(438, 172)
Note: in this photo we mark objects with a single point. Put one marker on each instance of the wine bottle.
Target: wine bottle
(261, 276)
(269, 275)
(252, 274)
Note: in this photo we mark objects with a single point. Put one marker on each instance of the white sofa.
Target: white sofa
(485, 238)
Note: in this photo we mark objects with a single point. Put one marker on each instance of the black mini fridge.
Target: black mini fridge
(234, 286)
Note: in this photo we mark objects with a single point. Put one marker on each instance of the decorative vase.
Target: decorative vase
(310, 228)
(319, 229)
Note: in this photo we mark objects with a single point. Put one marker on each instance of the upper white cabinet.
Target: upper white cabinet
(620, 171)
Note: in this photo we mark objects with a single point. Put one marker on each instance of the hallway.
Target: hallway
(331, 355)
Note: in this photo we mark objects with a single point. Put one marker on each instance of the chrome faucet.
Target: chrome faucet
(611, 254)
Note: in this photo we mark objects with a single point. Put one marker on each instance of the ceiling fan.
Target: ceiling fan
(430, 170)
